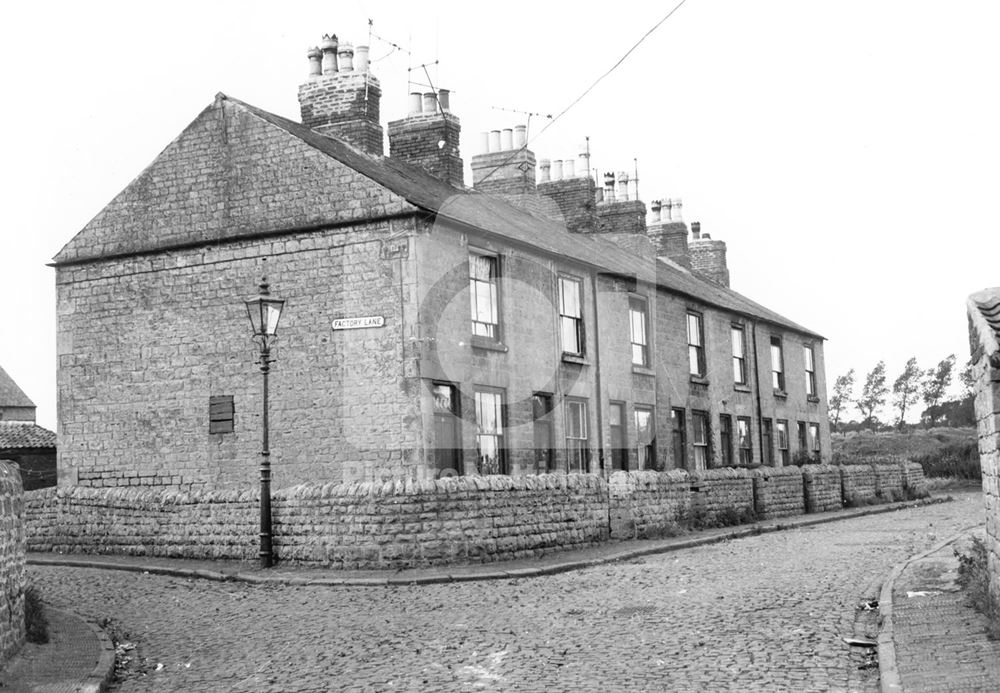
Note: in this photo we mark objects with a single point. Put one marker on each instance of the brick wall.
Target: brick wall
(12, 560)
(625, 216)
(648, 504)
(860, 485)
(417, 140)
(823, 487)
(778, 492)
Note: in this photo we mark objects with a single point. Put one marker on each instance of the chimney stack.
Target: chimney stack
(668, 234)
(339, 100)
(572, 192)
(708, 256)
(428, 137)
(506, 167)
(616, 213)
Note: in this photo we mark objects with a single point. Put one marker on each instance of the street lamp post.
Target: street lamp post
(264, 313)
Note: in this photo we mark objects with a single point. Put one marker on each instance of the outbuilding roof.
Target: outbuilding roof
(22, 434)
(10, 394)
(481, 212)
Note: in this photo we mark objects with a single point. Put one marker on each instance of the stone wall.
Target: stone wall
(648, 504)
(401, 524)
(823, 487)
(12, 560)
(718, 495)
(914, 480)
(778, 492)
(860, 486)
(889, 480)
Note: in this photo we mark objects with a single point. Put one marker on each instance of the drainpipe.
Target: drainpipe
(760, 409)
(597, 377)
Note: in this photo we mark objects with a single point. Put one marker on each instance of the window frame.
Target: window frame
(576, 321)
(499, 436)
(696, 350)
(740, 360)
(221, 414)
(580, 448)
(781, 430)
(645, 450)
(704, 447)
(767, 436)
(493, 282)
(777, 364)
(815, 445)
(635, 303)
(809, 356)
(803, 436)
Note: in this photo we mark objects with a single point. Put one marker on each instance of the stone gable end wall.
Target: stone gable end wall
(12, 560)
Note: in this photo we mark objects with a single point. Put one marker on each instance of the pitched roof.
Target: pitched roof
(984, 324)
(21, 434)
(409, 184)
(10, 394)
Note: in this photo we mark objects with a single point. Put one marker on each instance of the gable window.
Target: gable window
(678, 438)
(577, 440)
(619, 447)
(810, 359)
(744, 441)
(571, 315)
(484, 290)
(541, 411)
(701, 434)
(777, 365)
(638, 321)
(696, 344)
(782, 428)
(447, 430)
(645, 437)
(814, 440)
(491, 456)
(739, 355)
(221, 413)
(726, 439)
(767, 454)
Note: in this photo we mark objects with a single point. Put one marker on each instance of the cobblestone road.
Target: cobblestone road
(761, 613)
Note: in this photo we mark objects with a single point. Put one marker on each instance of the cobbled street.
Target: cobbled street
(761, 613)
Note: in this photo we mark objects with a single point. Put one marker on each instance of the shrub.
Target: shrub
(36, 625)
(974, 578)
(956, 460)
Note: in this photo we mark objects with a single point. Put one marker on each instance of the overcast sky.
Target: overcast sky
(846, 151)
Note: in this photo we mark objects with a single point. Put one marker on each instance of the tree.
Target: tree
(843, 394)
(968, 379)
(935, 382)
(873, 393)
(906, 389)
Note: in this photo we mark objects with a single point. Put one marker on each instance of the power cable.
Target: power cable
(577, 100)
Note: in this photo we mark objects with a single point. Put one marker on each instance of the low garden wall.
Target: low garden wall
(12, 560)
(399, 524)
(778, 492)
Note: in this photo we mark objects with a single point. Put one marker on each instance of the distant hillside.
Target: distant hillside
(909, 444)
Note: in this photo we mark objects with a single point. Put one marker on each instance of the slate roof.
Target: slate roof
(493, 216)
(10, 394)
(984, 323)
(22, 434)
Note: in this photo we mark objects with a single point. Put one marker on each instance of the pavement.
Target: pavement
(927, 642)
(931, 639)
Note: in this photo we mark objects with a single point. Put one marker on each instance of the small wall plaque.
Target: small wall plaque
(358, 323)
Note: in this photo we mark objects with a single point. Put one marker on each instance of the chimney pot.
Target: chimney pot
(654, 210)
(315, 55)
(430, 102)
(329, 46)
(494, 140)
(361, 59)
(557, 169)
(444, 99)
(696, 230)
(675, 211)
(506, 139)
(609, 186)
(623, 186)
(345, 57)
(484, 143)
(416, 102)
(543, 170)
(569, 168)
(520, 136)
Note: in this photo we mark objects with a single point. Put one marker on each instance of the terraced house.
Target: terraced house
(535, 321)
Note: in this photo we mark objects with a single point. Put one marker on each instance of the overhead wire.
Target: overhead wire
(552, 120)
